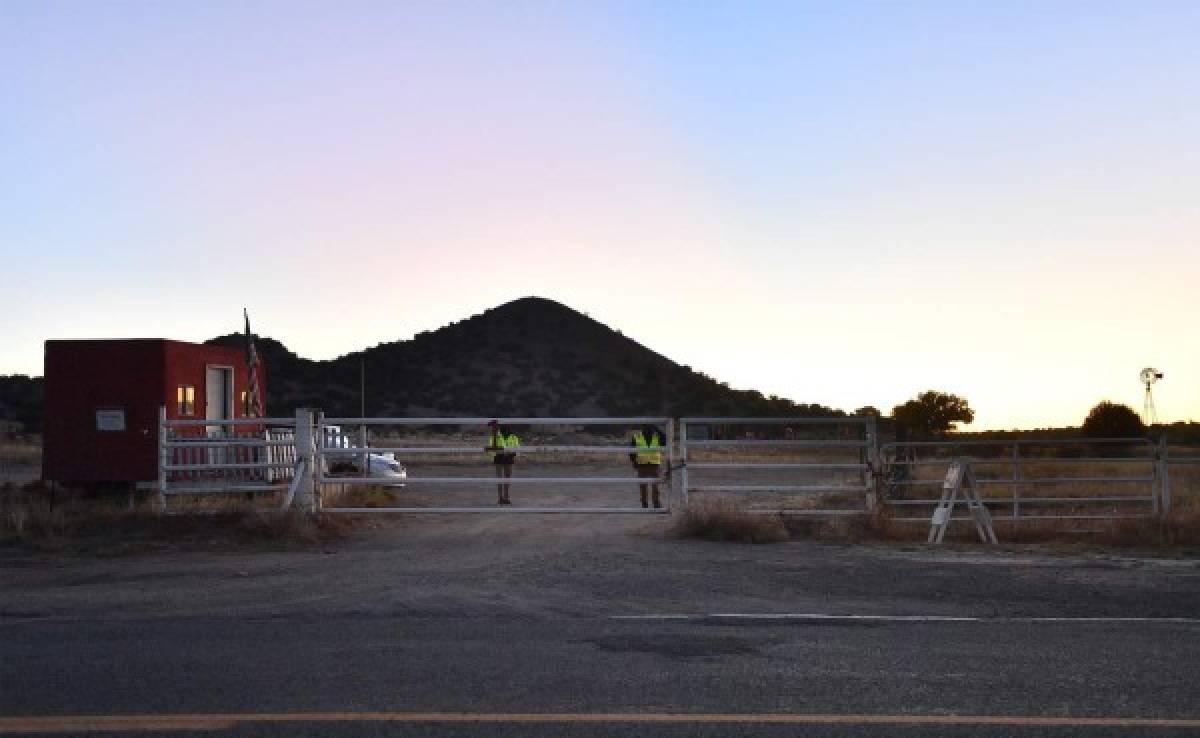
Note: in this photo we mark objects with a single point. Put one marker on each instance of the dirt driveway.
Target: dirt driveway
(598, 565)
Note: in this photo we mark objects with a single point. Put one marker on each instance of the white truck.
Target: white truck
(381, 465)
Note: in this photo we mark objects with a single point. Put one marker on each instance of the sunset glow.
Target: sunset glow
(837, 203)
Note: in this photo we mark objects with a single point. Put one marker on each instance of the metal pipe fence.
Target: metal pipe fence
(1185, 467)
(1137, 488)
(818, 480)
(792, 465)
(220, 456)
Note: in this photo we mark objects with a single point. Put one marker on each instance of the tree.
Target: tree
(1112, 420)
(931, 414)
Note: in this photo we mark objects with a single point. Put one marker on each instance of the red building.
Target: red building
(102, 399)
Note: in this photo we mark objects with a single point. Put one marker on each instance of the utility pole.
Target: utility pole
(362, 413)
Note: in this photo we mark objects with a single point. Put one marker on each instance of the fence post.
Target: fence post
(1016, 477)
(874, 474)
(164, 458)
(1164, 475)
(670, 431)
(305, 496)
(318, 471)
(365, 442)
(683, 476)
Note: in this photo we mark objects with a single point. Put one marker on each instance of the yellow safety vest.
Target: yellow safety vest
(647, 458)
(499, 440)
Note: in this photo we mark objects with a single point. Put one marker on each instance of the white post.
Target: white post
(1016, 477)
(683, 477)
(164, 458)
(305, 456)
(670, 430)
(320, 438)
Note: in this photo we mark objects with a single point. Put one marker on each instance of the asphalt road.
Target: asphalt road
(590, 626)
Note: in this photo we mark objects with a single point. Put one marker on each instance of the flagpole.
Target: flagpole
(254, 399)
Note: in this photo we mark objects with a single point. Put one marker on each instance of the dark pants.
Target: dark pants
(503, 471)
(649, 471)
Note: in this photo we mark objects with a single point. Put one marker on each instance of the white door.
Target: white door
(218, 396)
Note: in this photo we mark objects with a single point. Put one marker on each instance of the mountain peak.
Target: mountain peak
(534, 301)
(536, 306)
(528, 357)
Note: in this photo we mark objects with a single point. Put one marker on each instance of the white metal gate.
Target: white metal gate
(373, 439)
(801, 466)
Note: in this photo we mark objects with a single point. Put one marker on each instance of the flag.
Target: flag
(254, 400)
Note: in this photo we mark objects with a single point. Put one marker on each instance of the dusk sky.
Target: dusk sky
(844, 203)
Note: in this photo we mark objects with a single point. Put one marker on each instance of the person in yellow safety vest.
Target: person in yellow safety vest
(648, 459)
(499, 441)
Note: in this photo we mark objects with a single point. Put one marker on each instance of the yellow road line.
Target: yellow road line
(226, 721)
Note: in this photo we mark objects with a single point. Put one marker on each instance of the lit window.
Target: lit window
(185, 398)
(245, 403)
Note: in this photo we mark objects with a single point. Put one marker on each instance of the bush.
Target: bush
(1112, 420)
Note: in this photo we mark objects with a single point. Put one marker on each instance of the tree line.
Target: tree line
(933, 414)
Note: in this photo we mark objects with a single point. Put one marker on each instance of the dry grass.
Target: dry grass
(30, 518)
(20, 452)
(1178, 532)
(1046, 469)
(776, 454)
(347, 495)
(1185, 484)
(859, 528)
(723, 521)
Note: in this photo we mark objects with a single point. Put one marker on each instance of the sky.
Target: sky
(844, 203)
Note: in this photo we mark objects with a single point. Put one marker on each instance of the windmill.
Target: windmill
(1149, 376)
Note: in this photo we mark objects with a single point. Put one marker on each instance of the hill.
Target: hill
(21, 401)
(529, 357)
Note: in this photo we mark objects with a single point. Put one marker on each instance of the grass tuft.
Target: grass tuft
(359, 496)
(723, 521)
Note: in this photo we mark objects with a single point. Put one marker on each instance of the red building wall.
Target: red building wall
(185, 363)
(134, 375)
